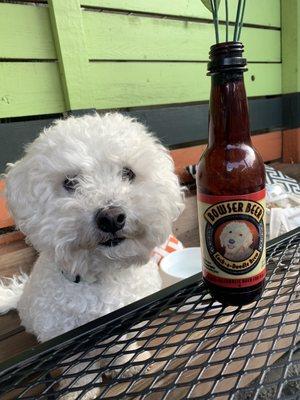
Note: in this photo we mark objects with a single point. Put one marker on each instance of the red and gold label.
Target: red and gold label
(232, 237)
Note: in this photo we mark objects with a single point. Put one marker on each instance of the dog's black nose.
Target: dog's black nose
(110, 220)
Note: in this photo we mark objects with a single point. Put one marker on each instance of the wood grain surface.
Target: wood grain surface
(269, 14)
(131, 84)
(25, 32)
(140, 38)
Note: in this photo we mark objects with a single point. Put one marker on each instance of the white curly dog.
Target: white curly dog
(236, 238)
(94, 195)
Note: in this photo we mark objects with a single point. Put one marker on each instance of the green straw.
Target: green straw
(215, 18)
(226, 13)
(241, 21)
(237, 18)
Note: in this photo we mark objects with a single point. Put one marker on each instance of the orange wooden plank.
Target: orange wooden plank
(268, 144)
(16, 257)
(10, 237)
(16, 344)
(291, 146)
(5, 218)
(187, 156)
(10, 324)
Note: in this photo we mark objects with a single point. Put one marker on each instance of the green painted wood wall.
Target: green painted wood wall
(65, 55)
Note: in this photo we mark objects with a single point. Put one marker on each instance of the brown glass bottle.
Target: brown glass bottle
(231, 175)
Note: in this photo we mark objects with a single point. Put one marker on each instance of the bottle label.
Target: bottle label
(232, 238)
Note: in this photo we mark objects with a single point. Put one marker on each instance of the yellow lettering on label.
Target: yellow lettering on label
(218, 210)
(235, 265)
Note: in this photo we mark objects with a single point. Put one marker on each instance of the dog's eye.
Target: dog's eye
(127, 174)
(241, 234)
(230, 231)
(69, 184)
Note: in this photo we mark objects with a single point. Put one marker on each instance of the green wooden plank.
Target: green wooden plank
(122, 37)
(35, 88)
(25, 32)
(290, 46)
(69, 38)
(131, 84)
(28, 88)
(258, 12)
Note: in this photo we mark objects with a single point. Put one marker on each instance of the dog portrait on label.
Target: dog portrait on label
(236, 238)
(94, 195)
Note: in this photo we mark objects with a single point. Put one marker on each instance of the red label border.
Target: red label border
(211, 199)
(234, 283)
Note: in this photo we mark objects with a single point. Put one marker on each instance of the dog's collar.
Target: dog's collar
(71, 278)
(78, 278)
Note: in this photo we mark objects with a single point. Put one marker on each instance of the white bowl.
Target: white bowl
(179, 265)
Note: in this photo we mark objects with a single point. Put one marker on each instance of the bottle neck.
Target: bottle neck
(228, 114)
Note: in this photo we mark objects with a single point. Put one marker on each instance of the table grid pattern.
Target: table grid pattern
(177, 344)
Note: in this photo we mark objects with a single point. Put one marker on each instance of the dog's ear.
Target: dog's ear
(248, 240)
(222, 237)
(19, 192)
(177, 197)
(176, 193)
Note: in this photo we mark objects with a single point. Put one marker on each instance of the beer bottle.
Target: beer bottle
(231, 187)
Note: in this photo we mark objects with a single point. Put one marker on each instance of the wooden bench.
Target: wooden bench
(15, 256)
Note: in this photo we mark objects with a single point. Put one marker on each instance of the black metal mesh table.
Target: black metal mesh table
(181, 343)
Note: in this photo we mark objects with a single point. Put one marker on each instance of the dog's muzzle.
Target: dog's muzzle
(113, 242)
(111, 220)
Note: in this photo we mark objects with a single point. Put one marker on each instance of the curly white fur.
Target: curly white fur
(61, 226)
(237, 238)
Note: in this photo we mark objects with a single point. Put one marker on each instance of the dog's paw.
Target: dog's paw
(90, 395)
